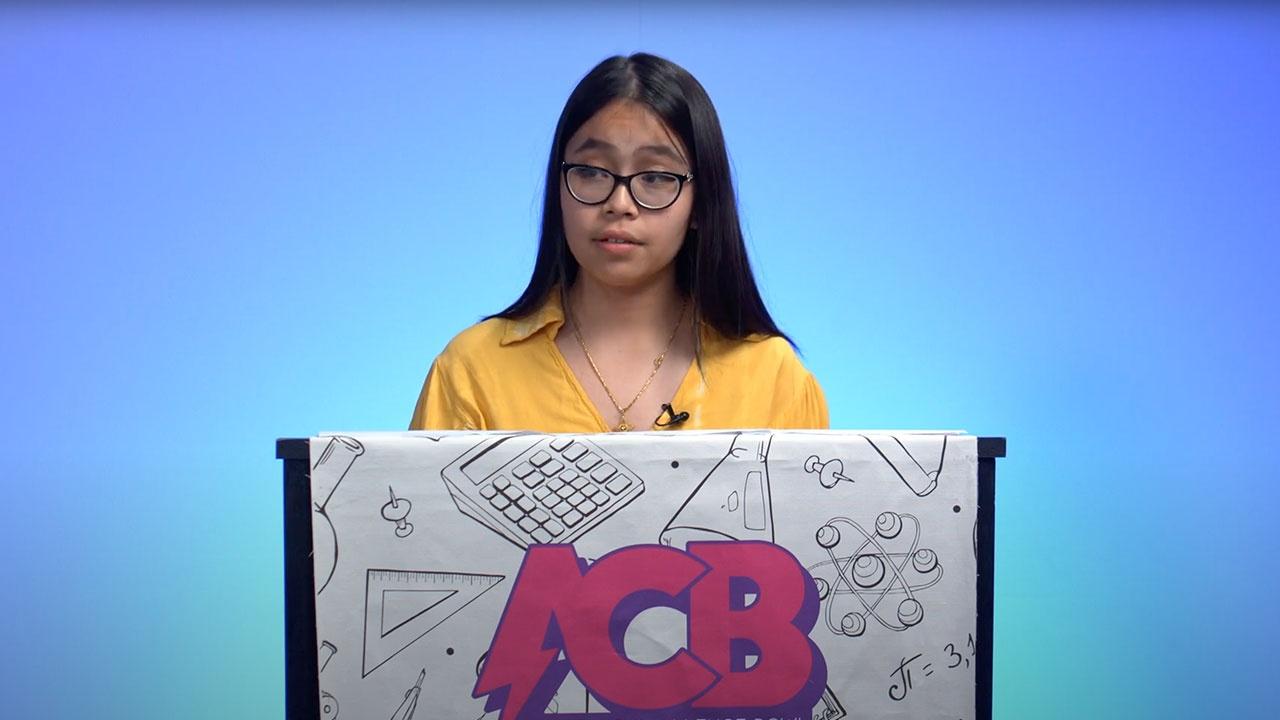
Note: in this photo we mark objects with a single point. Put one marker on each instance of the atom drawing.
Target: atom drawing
(871, 573)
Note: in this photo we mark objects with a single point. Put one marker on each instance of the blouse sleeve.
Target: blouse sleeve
(446, 401)
(809, 409)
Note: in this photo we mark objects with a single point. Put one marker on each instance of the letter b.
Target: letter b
(775, 626)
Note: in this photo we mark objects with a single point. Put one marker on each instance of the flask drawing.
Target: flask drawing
(327, 474)
(732, 502)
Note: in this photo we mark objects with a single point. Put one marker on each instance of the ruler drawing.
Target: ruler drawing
(400, 606)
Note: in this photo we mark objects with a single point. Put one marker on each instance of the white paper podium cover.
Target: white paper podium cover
(667, 575)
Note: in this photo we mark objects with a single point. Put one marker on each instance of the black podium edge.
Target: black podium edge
(989, 448)
(302, 682)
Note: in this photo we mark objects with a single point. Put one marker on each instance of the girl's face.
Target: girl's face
(626, 137)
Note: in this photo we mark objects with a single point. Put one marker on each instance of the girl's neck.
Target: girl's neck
(609, 313)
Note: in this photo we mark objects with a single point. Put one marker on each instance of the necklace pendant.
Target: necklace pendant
(623, 426)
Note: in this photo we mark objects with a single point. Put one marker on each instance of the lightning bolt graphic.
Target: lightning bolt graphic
(528, 639)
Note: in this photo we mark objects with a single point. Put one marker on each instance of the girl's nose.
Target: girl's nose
(620, 201)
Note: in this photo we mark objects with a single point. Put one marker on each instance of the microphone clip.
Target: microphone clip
(676, 417)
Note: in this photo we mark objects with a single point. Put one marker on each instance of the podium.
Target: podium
(673, 575)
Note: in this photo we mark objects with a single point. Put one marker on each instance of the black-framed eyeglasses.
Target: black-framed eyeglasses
(591, 185)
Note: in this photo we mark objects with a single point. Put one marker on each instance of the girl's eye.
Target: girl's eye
(658, 179)
(590, 174)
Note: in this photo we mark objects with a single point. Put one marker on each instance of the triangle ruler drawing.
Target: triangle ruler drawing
(400, 606)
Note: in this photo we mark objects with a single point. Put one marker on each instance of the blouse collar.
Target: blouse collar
(549, 315)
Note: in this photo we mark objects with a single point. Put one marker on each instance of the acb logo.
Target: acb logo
(749, 607)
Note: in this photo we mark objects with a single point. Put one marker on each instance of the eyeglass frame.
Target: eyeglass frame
(681, 179)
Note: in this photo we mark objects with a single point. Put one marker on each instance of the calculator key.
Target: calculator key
(500, 501)
(513, 513)
(539, 515)
(525, 503)
(541, 493)
(533, 480)
(592, 491)
(573, 517)
(587, 507)
(555, 484)
(553, 527)
(560, 443)
(487, 491)
(603, 473)
(552, 468)
(580, 482)
(568, 476)
(540, 535)
(501, 482)
(512, 492)
(566, 491)
(576, 499)
(527, 524)
(574, 451)
(524, 470)
(588, 462)
(540, 458)
(618, 484)
(562, 509)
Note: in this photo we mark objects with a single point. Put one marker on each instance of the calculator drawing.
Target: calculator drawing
(540, 488)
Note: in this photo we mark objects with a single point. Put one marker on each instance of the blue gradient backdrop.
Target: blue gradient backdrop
(223, 226)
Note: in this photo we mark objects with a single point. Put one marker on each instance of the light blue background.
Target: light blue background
(224, 226)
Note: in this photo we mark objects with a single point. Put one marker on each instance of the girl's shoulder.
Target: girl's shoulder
(477, 340)
(498, 339)
(755, 348)
(754, 358)
(774, 387)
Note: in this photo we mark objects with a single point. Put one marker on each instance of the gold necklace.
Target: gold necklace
(623, 425)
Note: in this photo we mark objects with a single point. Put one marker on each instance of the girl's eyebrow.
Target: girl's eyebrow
(598, 144)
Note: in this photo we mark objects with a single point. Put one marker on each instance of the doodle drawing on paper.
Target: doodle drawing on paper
(326, 653)
(540, 489)
(829, 707)
(400, 606)
(830, 473)
(409, 705)
(918, 472)
(862, 583)
(330, 470)
(732, 502)
(328, 707)
(397, 512)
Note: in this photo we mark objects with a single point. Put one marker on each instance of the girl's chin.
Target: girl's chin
(632, 279)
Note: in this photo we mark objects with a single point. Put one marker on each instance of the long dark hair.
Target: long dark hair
(711, 266)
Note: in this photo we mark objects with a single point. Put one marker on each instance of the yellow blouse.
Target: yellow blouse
(509, 375)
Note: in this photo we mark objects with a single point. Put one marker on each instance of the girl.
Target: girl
(642, 312)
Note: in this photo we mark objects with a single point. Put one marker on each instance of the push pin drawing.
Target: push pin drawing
(829, 473)
(397, 511)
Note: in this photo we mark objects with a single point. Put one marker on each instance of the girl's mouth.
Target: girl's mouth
(616, 246)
